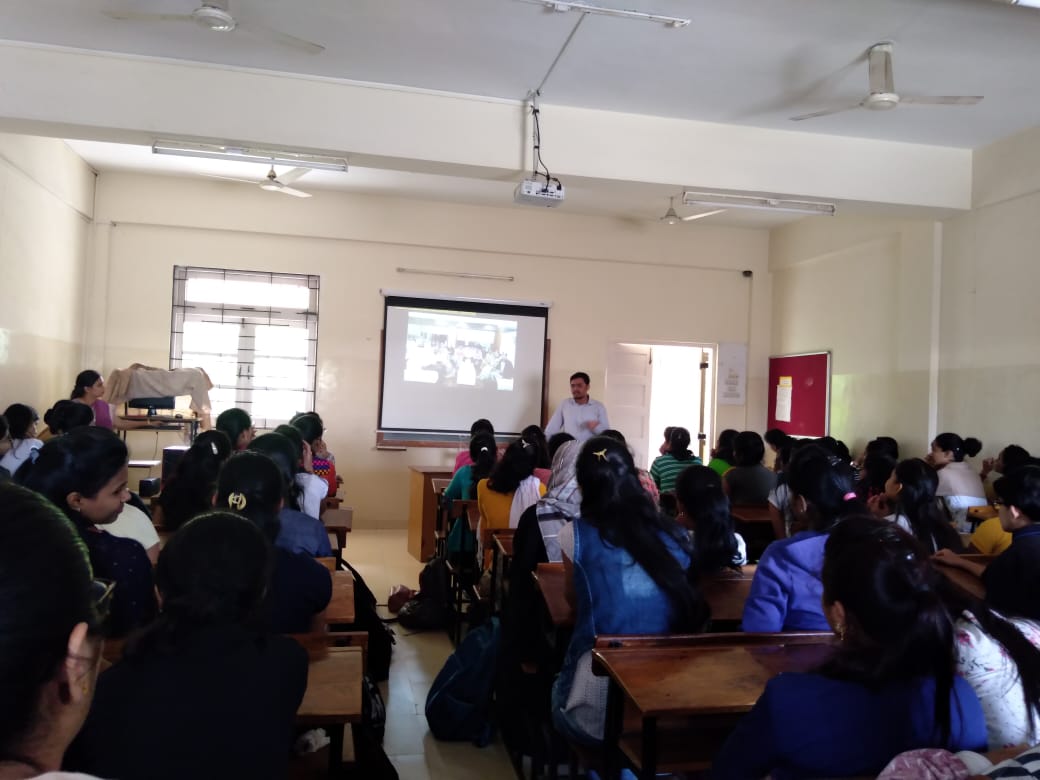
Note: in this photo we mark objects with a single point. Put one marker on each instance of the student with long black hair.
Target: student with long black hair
(785, 592)
(479, 426)
(84, 473)
(891, 684)
(22, 420)
(237, 425)
(496, 494)
(300, 587)
(704, 509)
(51, 617)
(483, 455)
(190, 490)
(722, 455)
(628, 573)
(909, 501)
(206, 690)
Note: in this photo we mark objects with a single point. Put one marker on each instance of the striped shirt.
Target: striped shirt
(666, 469)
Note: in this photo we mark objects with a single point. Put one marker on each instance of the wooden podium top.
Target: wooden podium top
(432, 470)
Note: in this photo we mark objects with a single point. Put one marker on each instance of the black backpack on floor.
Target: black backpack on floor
(380, 635)
(431, 607)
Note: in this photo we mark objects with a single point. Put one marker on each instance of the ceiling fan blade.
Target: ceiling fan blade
(702, 215)
(277, 186)
(228, 178)
(276, 36)
(879, 64)
(825, 112)
(136, 16)
(941, 100)
(292, 175)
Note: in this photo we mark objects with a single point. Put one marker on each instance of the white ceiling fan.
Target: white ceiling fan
(883, 95)
(273, 182)
(214, 15)
(671, 217)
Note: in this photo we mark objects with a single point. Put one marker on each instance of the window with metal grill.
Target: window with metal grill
(255, 334)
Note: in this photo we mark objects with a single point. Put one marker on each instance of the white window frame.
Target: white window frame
(247, 317)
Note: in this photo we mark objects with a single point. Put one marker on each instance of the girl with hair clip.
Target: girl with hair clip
(478, 426)
(21, 433)
(482, 454)
(704, 510)
(512, 476)
(1012, 580)
(628, 572)
(542, 462)
(909, 502)
(666, 467)
(300, 587)
(51, 615)
(300, 532)
(891, 684)
(785, 592)
(190, 490)
(84, 473)
(205, 691)
(960, 486)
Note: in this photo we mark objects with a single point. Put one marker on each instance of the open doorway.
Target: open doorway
(651, 386)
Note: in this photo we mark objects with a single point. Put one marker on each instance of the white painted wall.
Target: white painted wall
(608, 280)
(46, 200)
(862, 289)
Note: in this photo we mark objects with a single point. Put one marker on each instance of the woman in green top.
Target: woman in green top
(722, 459)
(483, 452)
(666, 468)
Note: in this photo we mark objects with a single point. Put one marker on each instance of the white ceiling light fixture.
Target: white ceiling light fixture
(762, 203)
(564, 6)
(250, 155)
(1024, 3)
(671, 217)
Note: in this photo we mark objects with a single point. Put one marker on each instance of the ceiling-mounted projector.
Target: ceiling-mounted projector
(532, 192)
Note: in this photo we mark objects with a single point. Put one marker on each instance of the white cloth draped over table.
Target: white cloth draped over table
(140, 381)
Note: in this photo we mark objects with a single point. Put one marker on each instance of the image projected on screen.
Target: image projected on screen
(460, 350)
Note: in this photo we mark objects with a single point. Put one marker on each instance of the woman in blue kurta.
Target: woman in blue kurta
(890, 685)
(785, 593)
(627, 568)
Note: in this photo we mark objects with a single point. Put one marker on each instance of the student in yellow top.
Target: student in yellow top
(989, 538)
(511, 488)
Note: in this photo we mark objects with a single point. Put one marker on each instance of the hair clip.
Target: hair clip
(850, 496)
(237, 501)
(483, 449)
(213, 446)
(524, 443)
(600, 454)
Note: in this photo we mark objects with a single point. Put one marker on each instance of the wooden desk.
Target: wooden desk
(751, 513)
(422, 510)
(501, 555)
(338, 522)
(713, 684)
(962, 580)
(725, 595)
(333, 695)
(163, 422)
(341, 606)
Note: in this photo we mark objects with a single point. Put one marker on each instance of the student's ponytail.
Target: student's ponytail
(483, 452)
(826, 483)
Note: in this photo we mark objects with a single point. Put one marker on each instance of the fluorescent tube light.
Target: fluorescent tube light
(251, 155)
(719, 200)
(622, 13)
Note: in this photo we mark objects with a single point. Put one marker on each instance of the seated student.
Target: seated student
(190, 490)
(909, 502)
(704, 510)
(542, 462)
(205, 691)
(1012, 580)
(776, 439)
(556, 441)
(628, 570)
(21, 430)
(84, 473)
(749, 481)
(300, 532)
(959, 484)
(237, 425)
(312, 488)
(51, 614)
(482, 455)
(251, 484)
(323, 462)
(785, 592)
(890, 685)
(780, 496)
(873, 474)
(512, 474)
(644, 476)
(989, 538)
(66, 415)
(721, 459)
(478, 426)
(1007, 460)
(665, 468)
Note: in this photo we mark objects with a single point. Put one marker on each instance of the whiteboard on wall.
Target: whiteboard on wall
(731, 377)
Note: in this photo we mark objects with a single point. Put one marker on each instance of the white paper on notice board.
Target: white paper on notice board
(783, 403)
(731, 378)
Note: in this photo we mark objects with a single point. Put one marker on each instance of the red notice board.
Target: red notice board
(800, 393)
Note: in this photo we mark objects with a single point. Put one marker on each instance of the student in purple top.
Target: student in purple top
(890, 685)
(84, 473)
(785, 592)
(90, 391)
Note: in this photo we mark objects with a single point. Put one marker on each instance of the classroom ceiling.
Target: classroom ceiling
(750, 62)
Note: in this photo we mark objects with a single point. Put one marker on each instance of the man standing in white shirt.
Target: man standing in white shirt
(579, 415)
